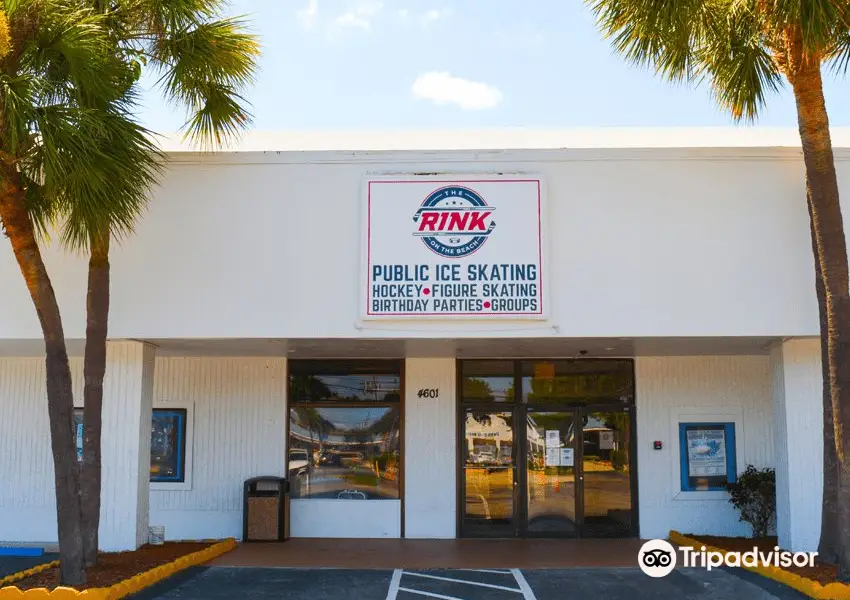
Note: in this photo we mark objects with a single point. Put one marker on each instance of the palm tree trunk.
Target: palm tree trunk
(828, 544)
(828, 229)
(97, 317)
(60, 401)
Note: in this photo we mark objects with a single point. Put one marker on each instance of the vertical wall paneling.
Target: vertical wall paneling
(238, 428)
(731, 388)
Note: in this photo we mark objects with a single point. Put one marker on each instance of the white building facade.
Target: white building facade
(499, 336)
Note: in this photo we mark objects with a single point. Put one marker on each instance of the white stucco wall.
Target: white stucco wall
(641, 242)
(430, 449)
(687, 389)
(798, 431)
(239, 424)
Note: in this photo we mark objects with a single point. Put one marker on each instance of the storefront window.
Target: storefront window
(582, 382)
(487, 381)
(344, 431)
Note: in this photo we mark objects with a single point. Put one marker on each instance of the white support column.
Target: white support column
(798, 439)
(430, 454)
(127, 401)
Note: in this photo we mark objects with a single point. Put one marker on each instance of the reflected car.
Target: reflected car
(299, 462)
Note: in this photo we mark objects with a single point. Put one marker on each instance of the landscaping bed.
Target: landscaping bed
(115, 567)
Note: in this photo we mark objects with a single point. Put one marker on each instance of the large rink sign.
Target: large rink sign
(454, 247)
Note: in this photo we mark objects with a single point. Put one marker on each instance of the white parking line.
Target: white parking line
(394, 583)
(495, 571)
(527, 592)
(464, 581)
(429, 594)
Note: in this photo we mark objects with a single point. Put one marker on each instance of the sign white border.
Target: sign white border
(449, 178)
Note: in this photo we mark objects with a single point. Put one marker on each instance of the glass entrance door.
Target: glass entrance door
(551, 482)
(546, 451)
(606, 473)
(489, 476)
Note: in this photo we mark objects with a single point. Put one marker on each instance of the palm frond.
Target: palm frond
(205, 67)
(736, 63)
(838, 55)
(659, 34)
(721, 43)
(68, 90)
(819, 21)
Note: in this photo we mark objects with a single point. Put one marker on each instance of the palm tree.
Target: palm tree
(203, 62)
(59, 64)
(745, 50)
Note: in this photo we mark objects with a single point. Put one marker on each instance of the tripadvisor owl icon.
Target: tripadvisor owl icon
(657, 558)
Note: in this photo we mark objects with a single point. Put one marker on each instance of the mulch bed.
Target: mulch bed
(821, 572)
(115, 567)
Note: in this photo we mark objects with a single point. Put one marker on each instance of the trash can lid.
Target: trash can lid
(266, 478)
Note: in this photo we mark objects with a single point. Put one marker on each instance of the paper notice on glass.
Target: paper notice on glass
(566, 457)
(553, 457)
(706, 452)
(552, 437)
(606, 440)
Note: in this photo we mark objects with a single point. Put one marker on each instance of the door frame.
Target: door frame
(520, 449)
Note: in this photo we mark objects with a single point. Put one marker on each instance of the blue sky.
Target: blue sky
(424, 64)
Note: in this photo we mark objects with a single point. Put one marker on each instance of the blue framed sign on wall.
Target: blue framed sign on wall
(168, 445)
(78, 431)
(707, 456)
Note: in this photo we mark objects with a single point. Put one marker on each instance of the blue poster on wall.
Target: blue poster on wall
(168, 445)
(707, 456)
(706, 452)
(78, 431)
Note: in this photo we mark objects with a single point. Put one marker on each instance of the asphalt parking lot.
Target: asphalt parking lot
(483, 584)
(10, 565)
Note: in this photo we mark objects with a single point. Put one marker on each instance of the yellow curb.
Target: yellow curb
(121, 589)
(809, 587)
(27, 573)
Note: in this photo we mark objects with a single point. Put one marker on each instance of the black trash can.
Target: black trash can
(265, 516)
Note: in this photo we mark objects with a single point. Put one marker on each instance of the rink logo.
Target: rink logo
(454, 221)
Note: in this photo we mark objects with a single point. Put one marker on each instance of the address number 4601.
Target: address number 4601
(428, 393)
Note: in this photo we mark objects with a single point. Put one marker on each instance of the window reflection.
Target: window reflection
(488, 389)
(345, 388)
(577, 381)
(348, 453)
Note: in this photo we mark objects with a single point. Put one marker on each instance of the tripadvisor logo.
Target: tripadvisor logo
(658, 558)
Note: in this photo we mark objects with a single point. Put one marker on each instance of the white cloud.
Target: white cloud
(404, 14)
(442, 88)
(360, 16)
(435, 14)
(308, 15)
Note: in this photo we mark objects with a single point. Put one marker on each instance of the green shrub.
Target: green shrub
(754, 495)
